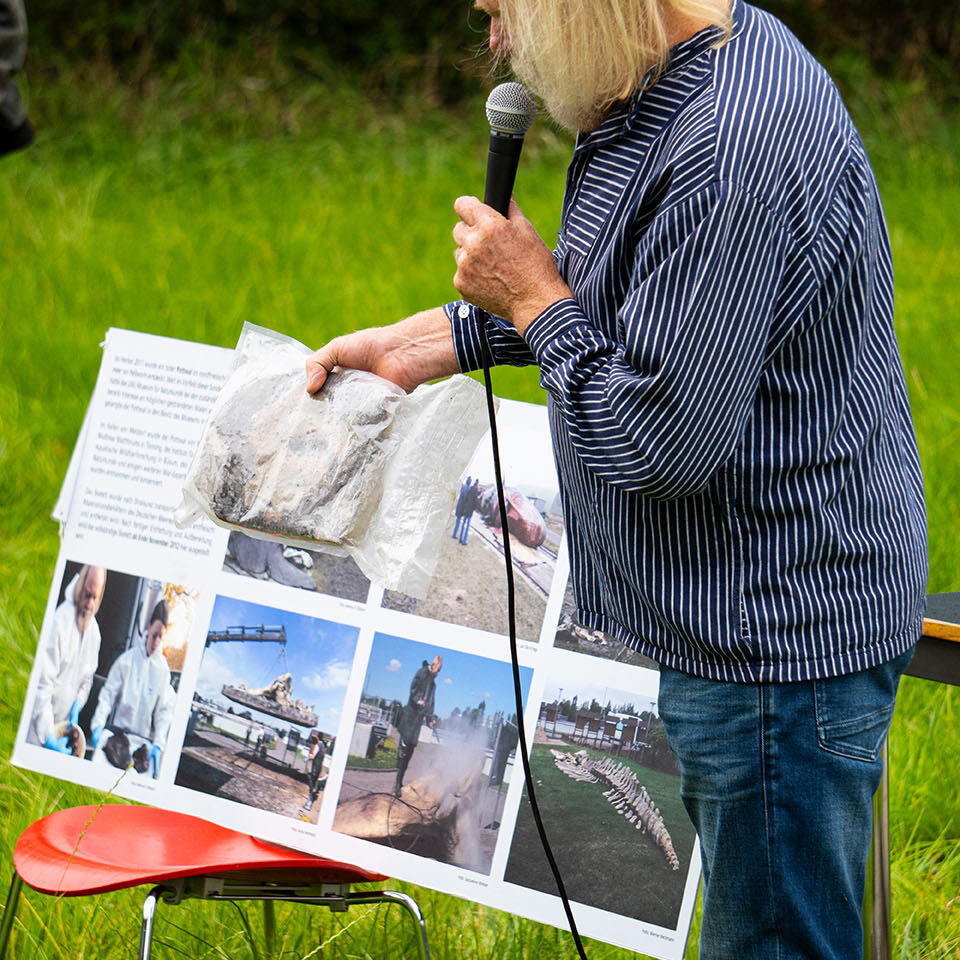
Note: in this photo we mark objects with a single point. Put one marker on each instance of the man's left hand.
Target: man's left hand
(503, 266)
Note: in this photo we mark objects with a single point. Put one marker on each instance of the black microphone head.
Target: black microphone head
(510, 108)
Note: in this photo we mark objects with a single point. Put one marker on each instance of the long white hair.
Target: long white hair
(582, 56)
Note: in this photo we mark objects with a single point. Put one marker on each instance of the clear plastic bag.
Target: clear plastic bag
(359, 467)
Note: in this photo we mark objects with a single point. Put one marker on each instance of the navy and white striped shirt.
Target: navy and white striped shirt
(739, 473)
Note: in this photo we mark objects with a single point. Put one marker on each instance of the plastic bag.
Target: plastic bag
(359, 467)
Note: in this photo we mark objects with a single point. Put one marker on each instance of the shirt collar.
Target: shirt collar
(681, 55)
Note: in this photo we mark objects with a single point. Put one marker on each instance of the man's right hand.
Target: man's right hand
(407, 353)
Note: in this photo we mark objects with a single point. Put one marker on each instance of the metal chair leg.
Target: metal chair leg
(876, 902)
(146, 927)
(9, 912)
(411, 906)
(405, 901)
(269, 929)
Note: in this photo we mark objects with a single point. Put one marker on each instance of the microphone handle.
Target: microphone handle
(502, 162)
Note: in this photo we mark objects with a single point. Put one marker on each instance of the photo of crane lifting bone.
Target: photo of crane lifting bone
(266, 707)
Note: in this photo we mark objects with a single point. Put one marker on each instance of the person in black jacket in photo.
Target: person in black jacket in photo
(417, 711)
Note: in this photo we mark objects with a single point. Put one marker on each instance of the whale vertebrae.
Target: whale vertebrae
(628, 796)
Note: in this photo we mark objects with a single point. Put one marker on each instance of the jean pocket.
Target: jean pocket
(853, 712)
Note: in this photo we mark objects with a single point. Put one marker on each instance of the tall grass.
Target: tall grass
(219, 194)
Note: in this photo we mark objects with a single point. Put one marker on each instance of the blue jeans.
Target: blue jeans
(779, 779)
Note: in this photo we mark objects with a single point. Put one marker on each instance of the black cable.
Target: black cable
(517, 689)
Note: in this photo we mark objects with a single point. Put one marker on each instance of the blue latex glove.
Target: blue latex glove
(58, 743)
(95, 734)
(75, 713)
(154, 758)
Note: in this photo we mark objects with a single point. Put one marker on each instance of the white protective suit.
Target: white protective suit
(140, 687)
(68, 661)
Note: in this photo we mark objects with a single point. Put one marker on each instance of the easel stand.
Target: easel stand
(937, 658)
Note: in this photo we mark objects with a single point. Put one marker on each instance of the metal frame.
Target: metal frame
(336, 896)
(876, 899)
(936, 658)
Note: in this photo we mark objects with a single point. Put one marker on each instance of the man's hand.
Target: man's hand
(502, 264)
(407, 353)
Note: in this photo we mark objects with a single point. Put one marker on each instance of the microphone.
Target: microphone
(510, 111)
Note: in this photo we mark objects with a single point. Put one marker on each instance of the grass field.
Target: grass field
(210, 197)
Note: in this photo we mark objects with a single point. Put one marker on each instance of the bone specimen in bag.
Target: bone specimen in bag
(625, 792)
(280, 461)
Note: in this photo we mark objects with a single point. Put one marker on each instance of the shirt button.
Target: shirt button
(463, 311)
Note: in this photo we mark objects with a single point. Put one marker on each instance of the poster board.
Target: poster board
(268, 651)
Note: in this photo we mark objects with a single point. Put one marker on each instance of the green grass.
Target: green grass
(211, 196)
(384, 758)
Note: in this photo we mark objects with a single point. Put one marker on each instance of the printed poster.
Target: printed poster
(280, 692)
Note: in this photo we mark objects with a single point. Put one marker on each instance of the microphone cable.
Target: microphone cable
(517, 688)
(510, 110)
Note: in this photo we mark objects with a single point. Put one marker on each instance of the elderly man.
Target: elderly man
(69, 659)
(15, 129)
(740, 480)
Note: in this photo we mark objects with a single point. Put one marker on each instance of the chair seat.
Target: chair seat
(85, 850)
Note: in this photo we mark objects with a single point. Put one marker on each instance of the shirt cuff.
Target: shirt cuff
(469, 338)
(558, 319)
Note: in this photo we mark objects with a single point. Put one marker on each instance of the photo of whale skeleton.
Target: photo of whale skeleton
(625, 792)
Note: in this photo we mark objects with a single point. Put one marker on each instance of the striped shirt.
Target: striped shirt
(738, 467)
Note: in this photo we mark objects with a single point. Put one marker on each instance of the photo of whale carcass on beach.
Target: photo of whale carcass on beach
(468, 587)
(432, 752)
(252, 736)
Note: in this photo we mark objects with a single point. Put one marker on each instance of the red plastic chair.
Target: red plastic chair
(86, 850)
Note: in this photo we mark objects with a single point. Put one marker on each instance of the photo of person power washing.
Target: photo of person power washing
(432, 752)
(107, 673)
